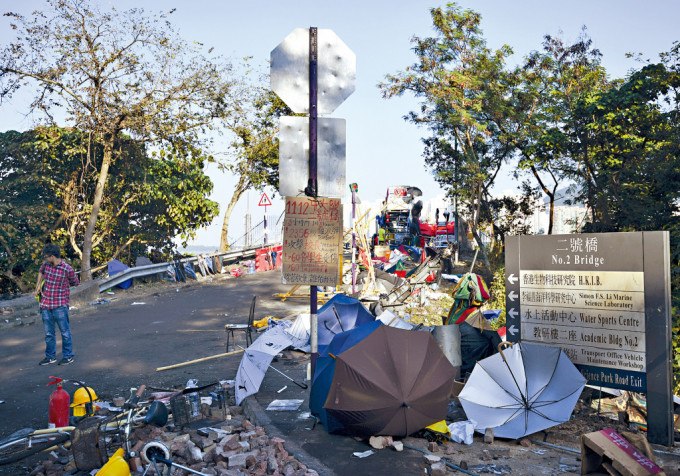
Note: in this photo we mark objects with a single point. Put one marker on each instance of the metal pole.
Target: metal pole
(455, 202)
(354, 243)
(313, 54)
(265, 224)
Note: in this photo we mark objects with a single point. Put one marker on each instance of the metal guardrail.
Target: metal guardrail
(151, 269)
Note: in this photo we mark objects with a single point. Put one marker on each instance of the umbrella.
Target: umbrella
(527, 389)
(338, 299)
(325, 368)
(256, 360)
(391, 319)
(394, 382)
(340, 317)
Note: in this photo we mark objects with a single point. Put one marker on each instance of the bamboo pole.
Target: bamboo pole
(182, 364)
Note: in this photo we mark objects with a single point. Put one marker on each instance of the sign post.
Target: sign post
(298, 71)
(604, 298)
(265, 202)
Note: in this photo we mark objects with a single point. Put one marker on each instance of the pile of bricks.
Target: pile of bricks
(233, 447)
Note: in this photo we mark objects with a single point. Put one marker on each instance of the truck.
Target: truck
(396, 212)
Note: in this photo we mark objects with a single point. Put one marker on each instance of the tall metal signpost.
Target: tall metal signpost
(313, 72)
(265, 202)
(604, 298)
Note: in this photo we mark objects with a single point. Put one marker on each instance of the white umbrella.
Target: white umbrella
(257, 359)
(391, 319)
(518, 392)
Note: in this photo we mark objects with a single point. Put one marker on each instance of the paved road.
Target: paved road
(120, 345)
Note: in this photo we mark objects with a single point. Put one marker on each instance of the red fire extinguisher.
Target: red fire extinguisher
(59, 406)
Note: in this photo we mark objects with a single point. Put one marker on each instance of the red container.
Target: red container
(59, 408)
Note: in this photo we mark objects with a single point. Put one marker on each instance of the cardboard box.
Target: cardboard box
(607, 452)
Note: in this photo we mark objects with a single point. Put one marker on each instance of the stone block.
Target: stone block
(438, 469)
(237, 461)
(488, 436)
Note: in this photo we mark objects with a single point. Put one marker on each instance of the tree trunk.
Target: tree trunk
(475, 224)
(86, 266)
(241, 187)
(18, 281)
(551, 195)
(482, 249)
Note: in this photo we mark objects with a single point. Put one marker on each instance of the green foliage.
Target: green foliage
(461, 85)
(44, 197)
(254, 157)
(674, 231)
(108, 73)
(497, 301)
(542, 96)
(29, 208)
(633, 151)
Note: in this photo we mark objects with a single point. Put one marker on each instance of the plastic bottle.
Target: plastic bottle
(59, 408)
(193, 398)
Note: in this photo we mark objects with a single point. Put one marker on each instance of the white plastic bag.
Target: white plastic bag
(462, 431)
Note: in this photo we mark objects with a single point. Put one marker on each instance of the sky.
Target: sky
(382, 148)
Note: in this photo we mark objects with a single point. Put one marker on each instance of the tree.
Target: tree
(108, 73)
(461, 85)
(546, 89)
(254, 125)
(29, 209)
(631, 178)
(43, 196)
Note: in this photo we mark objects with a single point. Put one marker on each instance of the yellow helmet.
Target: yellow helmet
(80, 398)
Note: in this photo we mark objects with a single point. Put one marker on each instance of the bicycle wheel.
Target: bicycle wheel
(21, 448)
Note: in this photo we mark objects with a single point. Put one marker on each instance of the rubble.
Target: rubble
(230, 448)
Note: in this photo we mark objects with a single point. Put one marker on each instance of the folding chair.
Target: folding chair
(246, 328)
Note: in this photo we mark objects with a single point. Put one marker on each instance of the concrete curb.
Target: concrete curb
(254, 412)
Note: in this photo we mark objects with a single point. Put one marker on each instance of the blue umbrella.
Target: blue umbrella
(338, 299)
(340, 317)
(325, 368)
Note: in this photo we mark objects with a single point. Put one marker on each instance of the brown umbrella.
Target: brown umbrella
(394, 382)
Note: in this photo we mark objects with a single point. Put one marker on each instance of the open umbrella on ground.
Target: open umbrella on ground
(325, 368)
(257, 359)
(391, 319)
(338, 299)
(523, 390)
(340, 317)
(394, 382)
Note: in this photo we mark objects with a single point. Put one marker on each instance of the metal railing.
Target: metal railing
(151, 269)
(256, 234)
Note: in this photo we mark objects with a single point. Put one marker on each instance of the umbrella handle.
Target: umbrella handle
(501, 345)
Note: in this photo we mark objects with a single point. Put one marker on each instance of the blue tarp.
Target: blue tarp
(189, 271)
(114, 267)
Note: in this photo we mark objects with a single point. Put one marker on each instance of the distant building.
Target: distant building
(568, 218)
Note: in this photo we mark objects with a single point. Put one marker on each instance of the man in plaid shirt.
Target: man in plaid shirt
(52, 287)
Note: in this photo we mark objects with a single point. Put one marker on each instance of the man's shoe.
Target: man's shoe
(47, 361)
(66, 361)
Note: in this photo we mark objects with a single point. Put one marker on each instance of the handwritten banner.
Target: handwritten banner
(312, 241)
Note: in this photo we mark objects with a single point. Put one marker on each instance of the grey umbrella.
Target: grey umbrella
(523, 390)
(257, 359)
